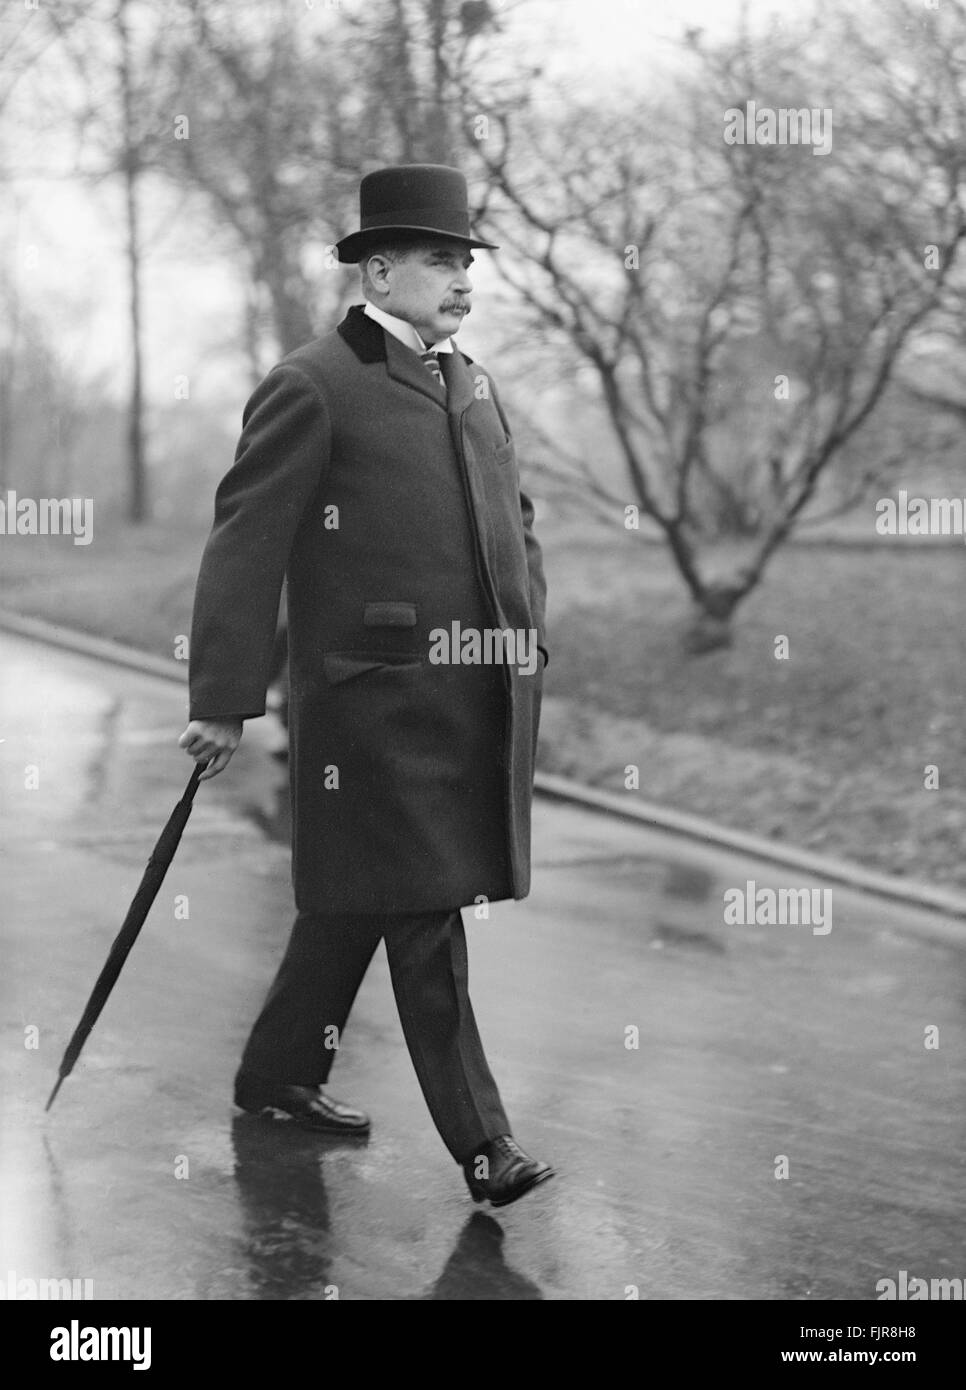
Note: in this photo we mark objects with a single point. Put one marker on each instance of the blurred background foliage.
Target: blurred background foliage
(654, 286)
(662, 279)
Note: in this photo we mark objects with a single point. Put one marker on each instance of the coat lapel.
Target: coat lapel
(371, 343)
(460, 384)
(405, 365)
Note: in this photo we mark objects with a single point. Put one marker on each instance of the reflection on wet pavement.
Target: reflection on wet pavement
(660, 1059)
(476, 1269)
(286, 1251)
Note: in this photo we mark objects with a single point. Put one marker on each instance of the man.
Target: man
(376, 471)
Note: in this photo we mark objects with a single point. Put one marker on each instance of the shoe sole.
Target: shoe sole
(274, 1113)
(515, 1196)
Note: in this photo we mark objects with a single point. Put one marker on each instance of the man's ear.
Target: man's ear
(376, 269)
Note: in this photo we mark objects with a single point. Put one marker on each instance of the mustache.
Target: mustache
(455, 306)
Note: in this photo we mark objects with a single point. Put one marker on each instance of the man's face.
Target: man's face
(428, 287)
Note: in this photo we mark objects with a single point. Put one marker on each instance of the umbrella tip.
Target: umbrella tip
(53, 1094)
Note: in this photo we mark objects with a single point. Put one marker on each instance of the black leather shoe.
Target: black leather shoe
(509, 1172)
(308, 1106)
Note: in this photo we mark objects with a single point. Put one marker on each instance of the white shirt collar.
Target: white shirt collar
(404, 331)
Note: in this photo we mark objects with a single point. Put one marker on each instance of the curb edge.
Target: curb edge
(706, 832)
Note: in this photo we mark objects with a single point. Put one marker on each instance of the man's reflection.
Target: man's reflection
(476, 1269)
(278, 1170)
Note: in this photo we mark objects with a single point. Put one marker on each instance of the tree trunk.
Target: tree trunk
(290, 296)
(137, 477)
(137, 474)
(438, 144)
(710, 626)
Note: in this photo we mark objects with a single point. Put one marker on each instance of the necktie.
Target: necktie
(432, 366)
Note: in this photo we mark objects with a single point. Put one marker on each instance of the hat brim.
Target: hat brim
(352, 248)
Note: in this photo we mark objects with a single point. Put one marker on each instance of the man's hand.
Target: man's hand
(211, 741)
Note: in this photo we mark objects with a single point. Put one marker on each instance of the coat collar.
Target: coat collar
(371, 343)
(366, 338)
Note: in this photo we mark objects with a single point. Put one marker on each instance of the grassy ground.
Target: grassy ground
(825, 750)
(132, 584)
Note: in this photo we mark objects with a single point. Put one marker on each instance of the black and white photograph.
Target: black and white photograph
(483, 668)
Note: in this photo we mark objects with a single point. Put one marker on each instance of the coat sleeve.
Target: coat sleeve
(281, 456)
(538, 582)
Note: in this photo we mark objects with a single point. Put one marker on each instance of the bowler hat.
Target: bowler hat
(412, 199)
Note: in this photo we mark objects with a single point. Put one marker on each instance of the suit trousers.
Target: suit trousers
(314, 989)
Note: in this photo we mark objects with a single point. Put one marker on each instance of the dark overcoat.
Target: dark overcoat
(395, 510)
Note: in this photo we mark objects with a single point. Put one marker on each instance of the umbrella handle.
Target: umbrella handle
(194, 779)
(189, 791)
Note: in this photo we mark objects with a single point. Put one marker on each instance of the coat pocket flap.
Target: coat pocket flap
(343, 666)
(390, 615)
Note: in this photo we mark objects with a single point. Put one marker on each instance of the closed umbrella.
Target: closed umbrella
(157, 867)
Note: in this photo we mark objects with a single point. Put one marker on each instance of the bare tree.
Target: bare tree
(743, 307)
(253, 90)
(130, 159)
(418, 61)
(117, 106)
(12, 334)
(24, 36)
(44, 400)
(285, 117)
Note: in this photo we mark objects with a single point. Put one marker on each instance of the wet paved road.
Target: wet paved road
(754, 1042)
